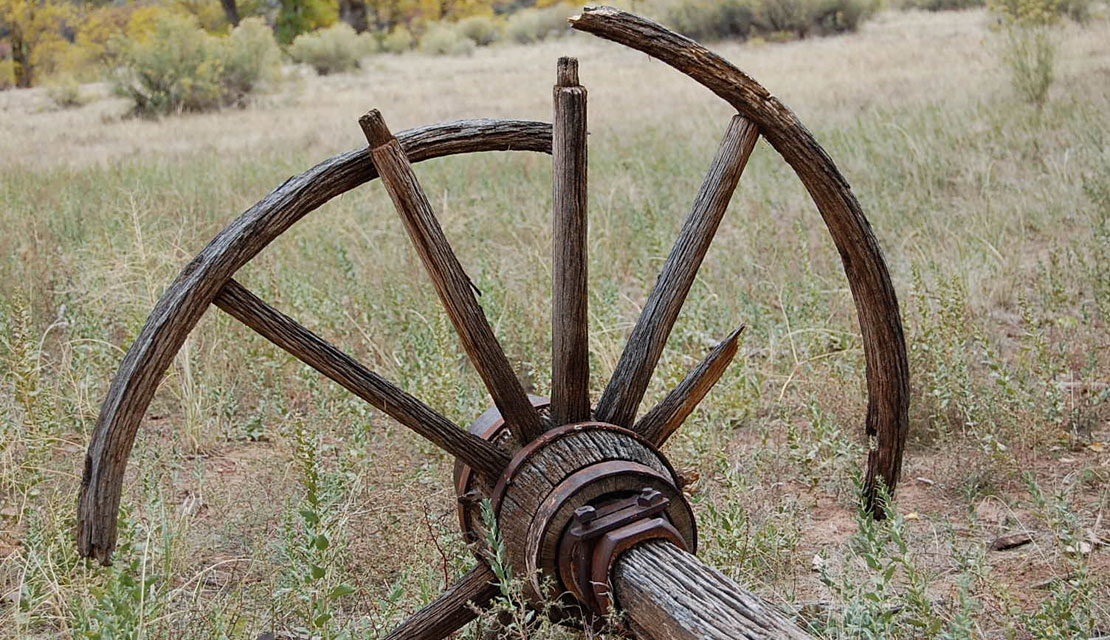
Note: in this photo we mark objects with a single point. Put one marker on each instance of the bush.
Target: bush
(940, 5)
(7, 74)
(444, 40)
(1078, 10)
(1029, 44)
(532, 25)
(251, 57)
(482, 30)
(801, 18)
(710, 20)
(1030, 53)
(1040, 11)
(841, 16)
(181, 67)
(65, 92)
(333, 50)
(399, 40)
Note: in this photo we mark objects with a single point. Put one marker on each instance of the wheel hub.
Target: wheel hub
(571, 501)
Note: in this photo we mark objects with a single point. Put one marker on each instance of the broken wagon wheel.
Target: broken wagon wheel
(584, 499)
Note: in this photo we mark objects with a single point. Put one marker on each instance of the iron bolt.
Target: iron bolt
(585, 514)
(649, 497)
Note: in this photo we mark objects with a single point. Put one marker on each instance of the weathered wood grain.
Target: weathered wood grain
(187, 298)
(622, 396)
(317, 353)
(662, 420)
(456, 291)
(668, 594)
(451, 610)
(884, 344)
(535, 480)
(570, 357)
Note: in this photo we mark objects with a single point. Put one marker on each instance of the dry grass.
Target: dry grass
(989, 214)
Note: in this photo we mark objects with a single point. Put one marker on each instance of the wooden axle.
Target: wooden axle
(668, 594)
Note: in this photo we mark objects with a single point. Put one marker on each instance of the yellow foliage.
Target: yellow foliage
(209, 13)
(36, 39)
(1026, 12)
(144, 21)
(7, 74)
(98, 27)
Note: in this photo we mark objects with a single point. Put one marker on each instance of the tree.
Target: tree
(232, 11)
(353, 12)
(33, 24)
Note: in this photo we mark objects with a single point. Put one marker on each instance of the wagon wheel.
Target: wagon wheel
(584, 499)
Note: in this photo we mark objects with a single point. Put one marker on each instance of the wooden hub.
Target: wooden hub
(586, 464)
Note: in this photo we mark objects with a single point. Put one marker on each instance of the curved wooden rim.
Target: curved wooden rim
(194, 289)
(884, 346)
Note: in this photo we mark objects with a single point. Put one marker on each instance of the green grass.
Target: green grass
(995, 221)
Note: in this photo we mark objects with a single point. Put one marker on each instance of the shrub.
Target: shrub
(399, 40)
(444, 40)
(65, 92)
(1030, 53)
(1029, 45)
(481, 29)
(250, 57)
(709, 20)
(333, 50)
(180, 67)
(1078, 10)
(7, 74)
(533, 25)
(805, 17)
(1040, 11)
(940, 5)
(840, 16)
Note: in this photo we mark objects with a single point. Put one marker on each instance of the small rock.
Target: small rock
(913, 516)
(1084, 549)
(9, 512)
(924, 481)
(1010, 541)
(818, 563)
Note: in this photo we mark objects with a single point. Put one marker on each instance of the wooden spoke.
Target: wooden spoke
(665, 592)
(658, 424)
(570, 360)
(626, 388)
(283, 331)
(451, 610)
(884, 344)
(454, 287)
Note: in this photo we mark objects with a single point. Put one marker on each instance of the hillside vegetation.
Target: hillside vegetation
(993, 211)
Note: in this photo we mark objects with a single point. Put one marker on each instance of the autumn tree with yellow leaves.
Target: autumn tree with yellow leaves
(35, 29)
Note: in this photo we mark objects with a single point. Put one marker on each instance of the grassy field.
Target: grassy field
(995, 220)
